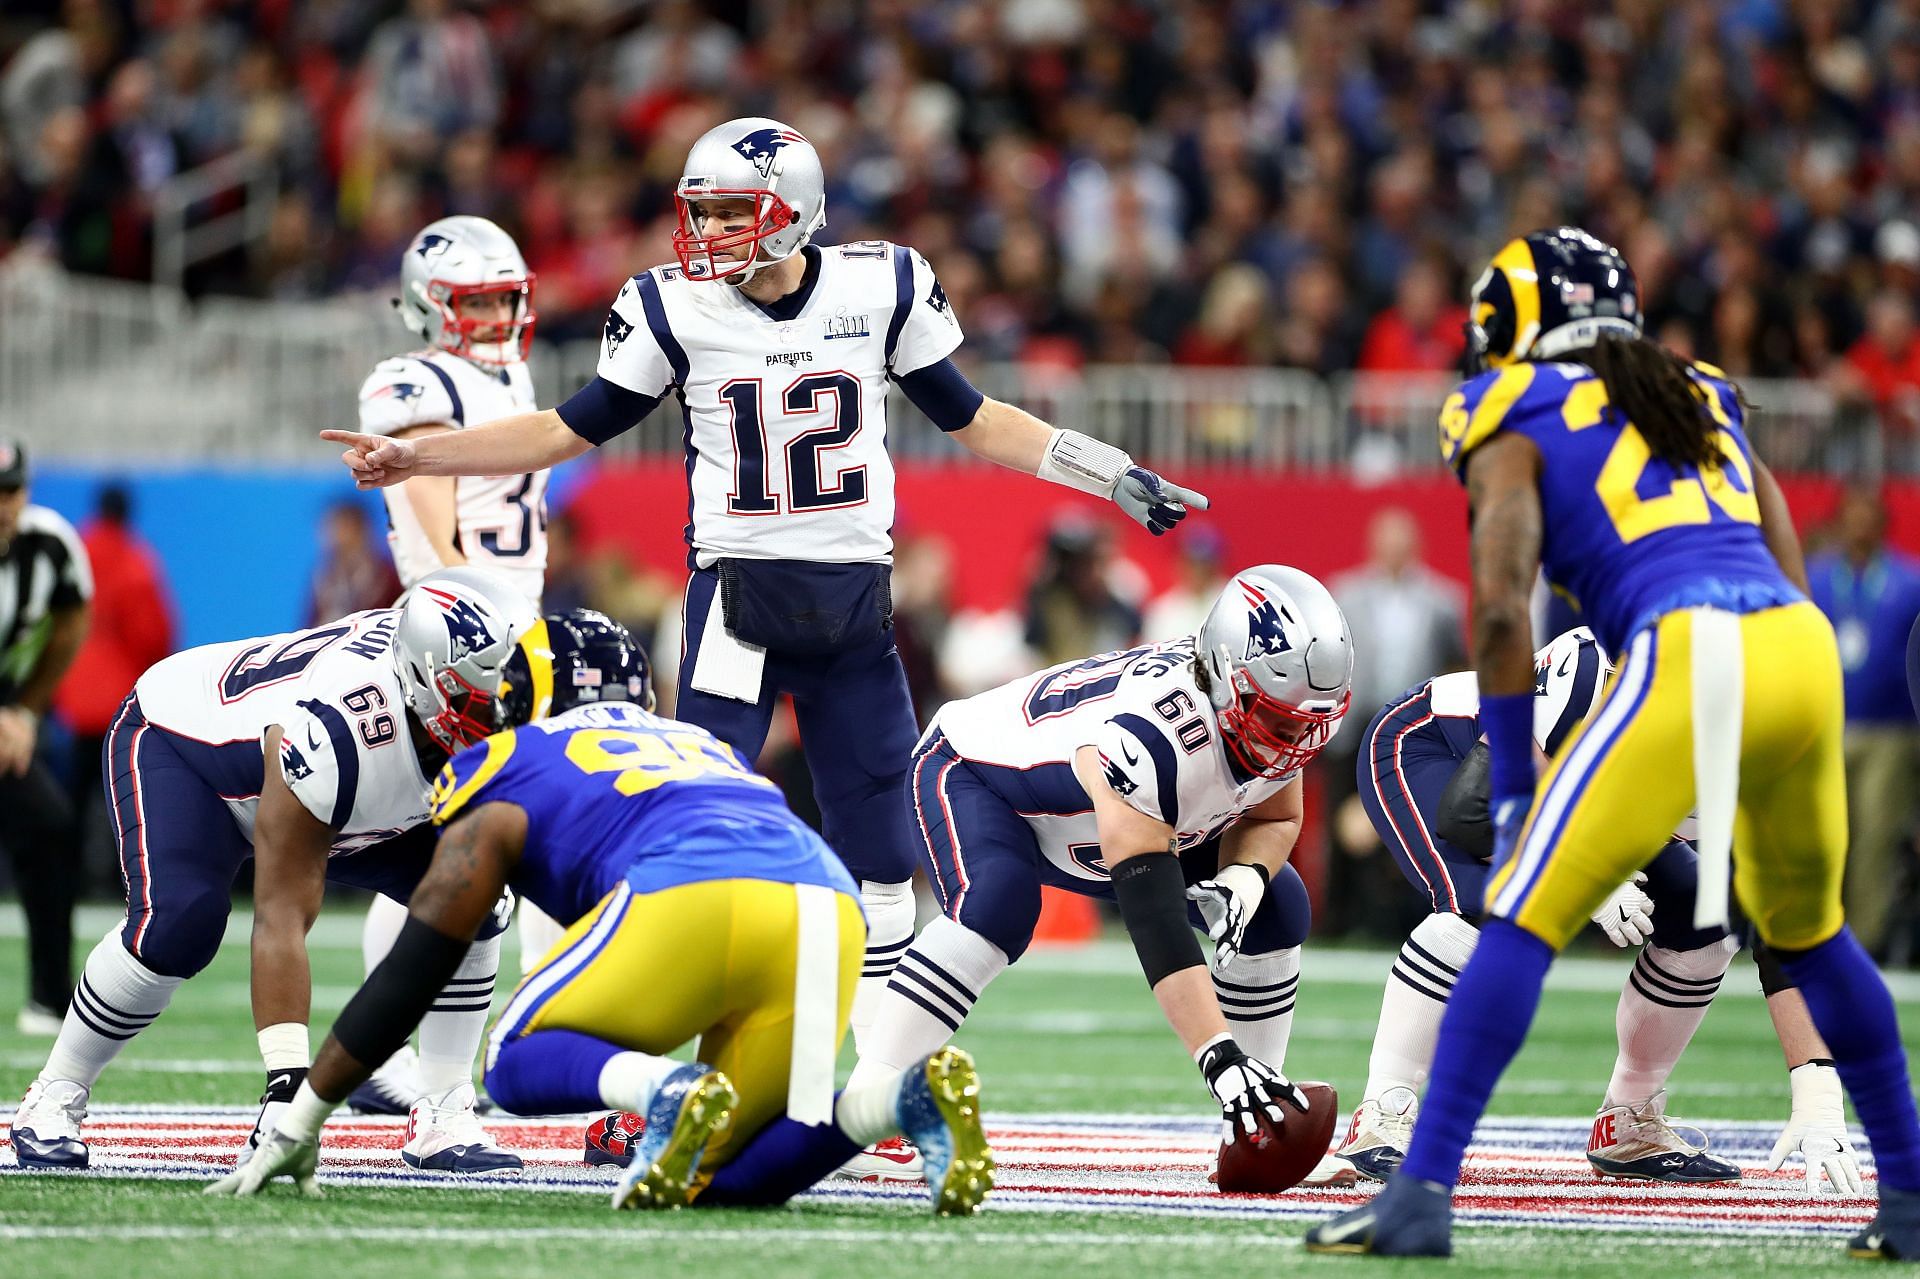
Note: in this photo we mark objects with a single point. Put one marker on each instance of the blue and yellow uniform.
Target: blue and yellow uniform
(701, 905)
(1650, 550)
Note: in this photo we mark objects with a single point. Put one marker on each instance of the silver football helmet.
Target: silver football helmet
(1569, 677)
(762, 161)
(453, 264)
(459, 629)
(1279, 665)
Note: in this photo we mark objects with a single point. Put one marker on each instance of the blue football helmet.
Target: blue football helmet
(1546, 294)
(581, 656)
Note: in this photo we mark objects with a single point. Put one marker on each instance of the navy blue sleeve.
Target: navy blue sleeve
(942, 392)
(601, 410)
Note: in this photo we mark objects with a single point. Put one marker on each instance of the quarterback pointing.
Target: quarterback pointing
(780, 353)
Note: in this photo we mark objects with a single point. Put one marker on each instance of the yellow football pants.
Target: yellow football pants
(1625, 779)
(719, 960)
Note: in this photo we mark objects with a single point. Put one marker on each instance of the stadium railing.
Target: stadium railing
(98, 369)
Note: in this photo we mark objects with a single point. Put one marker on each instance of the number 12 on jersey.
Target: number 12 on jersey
(753, 493)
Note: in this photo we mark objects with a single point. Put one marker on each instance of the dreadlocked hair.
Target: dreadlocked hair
(1657, 392)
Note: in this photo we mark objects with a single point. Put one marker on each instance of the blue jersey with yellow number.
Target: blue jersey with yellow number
(1629, 536)
(613, 793)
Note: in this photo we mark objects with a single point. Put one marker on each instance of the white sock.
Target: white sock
(890, 912)
(116, 998)
(629, 1080)
(385, 918)
(451, 1031)
(1662, 1004)
(931, 992)
(869, 1112)
(1256, 994)
(539, 934)
(1414, 1002)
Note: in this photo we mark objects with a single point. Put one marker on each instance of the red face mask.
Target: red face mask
(471, 714)
(771, 215)
(484, 341)
(1269, 738)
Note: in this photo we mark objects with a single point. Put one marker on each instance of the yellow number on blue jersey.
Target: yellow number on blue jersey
(641, 761)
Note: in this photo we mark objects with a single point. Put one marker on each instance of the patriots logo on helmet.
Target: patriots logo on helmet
(466, 628)
(617, 331)
(762, 147)
(432, 245)
(1266, 633)
(401, 391)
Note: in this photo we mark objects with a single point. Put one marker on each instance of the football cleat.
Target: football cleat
(38, 1021)
(892, 1160)
(1407, 1219)
(46, 1128)
(612, 1137)
(1894, 1232)
(444, 1135)
(692, 1106)
(1331, 1172)
(390, 1090)
(1376, 1138)
(1637, 1142)
(939, 1111)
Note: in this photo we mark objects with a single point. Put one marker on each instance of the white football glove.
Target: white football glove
(278, 1155)
(1227, 902)
(1246, 1086)
(281, 1087)
(1817, 1131)
(1627, 915)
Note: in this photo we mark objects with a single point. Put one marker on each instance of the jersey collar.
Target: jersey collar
(790, 306)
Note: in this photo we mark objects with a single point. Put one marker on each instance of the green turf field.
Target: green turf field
(1064, 1033)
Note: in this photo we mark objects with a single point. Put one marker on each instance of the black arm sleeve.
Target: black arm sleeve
(384, 1011)
(1465, 820)
(1152, 895)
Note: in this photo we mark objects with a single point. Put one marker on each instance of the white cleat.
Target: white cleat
(38, 1021)
(444, 1135)
(1377, 1137)
(46, 1128)
(892, 1160)
(1332, 1172)
(389, 1090)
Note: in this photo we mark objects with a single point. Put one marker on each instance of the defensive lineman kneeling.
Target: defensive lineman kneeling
(1166, 777)
(676, 860)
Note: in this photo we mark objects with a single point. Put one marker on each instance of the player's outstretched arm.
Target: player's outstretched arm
(1017, 439)
(290, 847)
(510, 446)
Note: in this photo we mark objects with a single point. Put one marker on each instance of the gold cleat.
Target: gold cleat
(696, 1112)
(954, 1084)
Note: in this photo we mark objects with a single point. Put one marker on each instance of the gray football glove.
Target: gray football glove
(278, 1155)
(1153, 502)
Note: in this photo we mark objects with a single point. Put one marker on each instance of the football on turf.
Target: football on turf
(1277, 1158)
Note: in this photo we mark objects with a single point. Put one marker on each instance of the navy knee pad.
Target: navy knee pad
(1673, 880)
(1284, 917)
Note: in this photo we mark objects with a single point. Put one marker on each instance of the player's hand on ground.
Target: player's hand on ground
(277, 1156)
(1817, 1131)
(1153, 502)
(1227, 902)
(1246, 1088)
(1627, 915)
(375, 460)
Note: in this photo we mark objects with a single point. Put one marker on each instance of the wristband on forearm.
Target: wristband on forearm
(1081, 462)
(1507, 721)
(1151, 892)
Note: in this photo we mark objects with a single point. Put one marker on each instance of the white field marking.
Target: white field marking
(1320, 965)
(616, 1229)
(154, 1066)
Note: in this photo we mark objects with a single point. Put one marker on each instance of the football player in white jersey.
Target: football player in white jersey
(1166, 778)
(780, 353)
(313, 753)
(466, 292)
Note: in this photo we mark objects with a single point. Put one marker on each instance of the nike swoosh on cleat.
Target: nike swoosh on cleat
(1348, 1237)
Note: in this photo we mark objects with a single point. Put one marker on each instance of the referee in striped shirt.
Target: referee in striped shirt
(45, 589)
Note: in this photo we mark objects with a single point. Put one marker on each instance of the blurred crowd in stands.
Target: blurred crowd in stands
(1207, 182)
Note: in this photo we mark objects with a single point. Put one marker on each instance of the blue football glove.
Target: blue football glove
(1509, 815)
(1153, 502)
